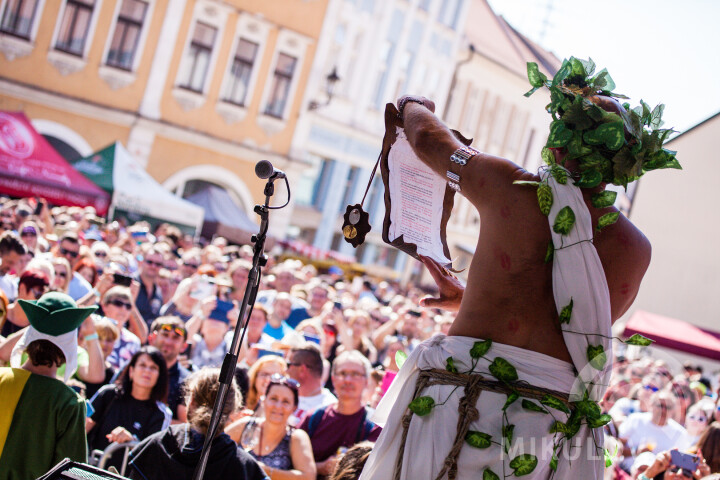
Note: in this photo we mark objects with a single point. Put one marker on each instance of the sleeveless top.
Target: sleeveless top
(280, 457)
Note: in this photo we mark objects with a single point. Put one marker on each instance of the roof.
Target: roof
(676, 334)
(494, 38)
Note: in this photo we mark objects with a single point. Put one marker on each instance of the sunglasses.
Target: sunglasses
(278, 379)
(191, 265)
(101, 254)
(172, 328)
(28, 234)
(154, 264)
(65, 251)
(120, 304)
(651, 388)
(61, 274)
(37, 293)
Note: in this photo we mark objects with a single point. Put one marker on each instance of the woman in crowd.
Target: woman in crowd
(697, 420)
(709, 445)
(86, 268)
(282, 451)
(259, 375)
(117, 304)
(29, 232)
(354, 333)
(63, 275)
(108, 333)
(174, 452)
(134, 407)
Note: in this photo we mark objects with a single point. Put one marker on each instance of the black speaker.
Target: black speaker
(69, 470)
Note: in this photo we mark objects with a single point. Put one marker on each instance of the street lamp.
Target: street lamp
(331, 80)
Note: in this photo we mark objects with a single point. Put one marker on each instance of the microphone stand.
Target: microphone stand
(227, 371)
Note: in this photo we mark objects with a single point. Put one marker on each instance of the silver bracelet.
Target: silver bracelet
(405, 100)
(459, 157)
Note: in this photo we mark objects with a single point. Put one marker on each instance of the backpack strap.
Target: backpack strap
(315, 420)
(364, 428)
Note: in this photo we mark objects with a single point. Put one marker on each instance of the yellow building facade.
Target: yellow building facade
(198, 90)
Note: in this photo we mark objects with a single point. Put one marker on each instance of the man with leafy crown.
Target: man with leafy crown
(512, 390)
(42, 420)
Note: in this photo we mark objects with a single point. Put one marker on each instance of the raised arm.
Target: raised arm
(434, 143)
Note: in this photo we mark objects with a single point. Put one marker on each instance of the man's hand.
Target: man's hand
(119, 435)
(451, 289)
(87, 327)
(403, 101)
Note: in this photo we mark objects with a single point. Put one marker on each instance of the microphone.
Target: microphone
(265, 169)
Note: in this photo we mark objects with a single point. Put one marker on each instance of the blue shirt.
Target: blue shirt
(279, 332)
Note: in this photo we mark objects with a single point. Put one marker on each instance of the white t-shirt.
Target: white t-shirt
(9, 285)
(639, 430)
(307, 405)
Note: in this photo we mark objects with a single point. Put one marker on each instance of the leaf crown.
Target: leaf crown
(609, 147)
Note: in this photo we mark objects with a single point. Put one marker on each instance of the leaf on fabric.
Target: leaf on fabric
(558, 427)
(523, 464)
(547, 156)
(600, 421)
(526, 182)
(478, 439)
(588, 408)
(596, 356)
(503, 370)
(554, 462)
(550, 252)
(607, 219)
(510, 400)
(559, 174)
(450, 365)
(554, 402)
(421, 406)
(532, 406)
(564, 221)
(603, 199)
(507, 432)
(639, 340)
(480, 348)
(490, 475)
(400, 358)
(566, 312)
(545, 198)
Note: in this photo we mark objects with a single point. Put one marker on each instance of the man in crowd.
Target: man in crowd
(168, 335)
(31, 286)
(34, 403)
(516, 297)
(305, 364)
(276, 326)
(149, 298)
(69, 248)
(344, 423)
(654, 431)
(12, 249)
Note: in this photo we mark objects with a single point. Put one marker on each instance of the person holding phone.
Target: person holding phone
(208, 347)
(676, 465)
(117, 305)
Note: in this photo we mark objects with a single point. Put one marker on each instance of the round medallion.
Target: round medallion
(354, 216)
(350, 232)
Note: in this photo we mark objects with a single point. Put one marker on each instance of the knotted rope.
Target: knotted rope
(473, 385)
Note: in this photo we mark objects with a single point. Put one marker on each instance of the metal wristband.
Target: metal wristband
(405, 100)
(459, 157)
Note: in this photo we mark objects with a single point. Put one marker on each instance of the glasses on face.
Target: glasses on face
(651, 388)
(37, 292)
(153, 263)
(61, 274)
(697, 419)
(297, 364)
(66, 252)
(101, 254)
(352, 375)
(120, 304)
(172, 328)
(194, 266)
(28, 234)
(278, 379)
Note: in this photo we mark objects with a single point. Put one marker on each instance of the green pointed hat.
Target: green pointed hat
(55, 313)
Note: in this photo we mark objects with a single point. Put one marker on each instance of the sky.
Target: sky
(661, 51)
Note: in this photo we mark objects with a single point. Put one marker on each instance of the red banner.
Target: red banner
(30, 167)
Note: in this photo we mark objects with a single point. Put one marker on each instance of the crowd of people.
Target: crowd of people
(320, 350)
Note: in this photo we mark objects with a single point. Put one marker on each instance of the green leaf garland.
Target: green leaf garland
(607, 220)
(553, 402)
(566, 312)
(596, 356)
(503, 370)
(564, 221)
(523, 464)
(480, 348)
(490, 475)
(603, 199)
(478, 439)
(545, 198)
(421, 406)
(639, 340)
(532, 406)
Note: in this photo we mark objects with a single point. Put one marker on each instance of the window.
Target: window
(237, 88)
(197, 58)
(449, 12)
(75, 26)
(127, 34)
(281, 85)
(18, 17)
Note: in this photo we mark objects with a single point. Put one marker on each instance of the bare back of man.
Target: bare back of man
(509, 296)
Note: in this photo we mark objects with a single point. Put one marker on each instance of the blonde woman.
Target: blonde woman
(259, 378)
(63, 275)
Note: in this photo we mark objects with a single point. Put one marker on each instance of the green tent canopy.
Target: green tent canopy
(134, 192)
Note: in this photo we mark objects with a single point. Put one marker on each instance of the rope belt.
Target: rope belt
(467, 411)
